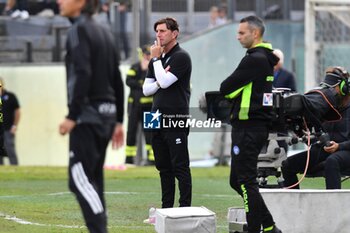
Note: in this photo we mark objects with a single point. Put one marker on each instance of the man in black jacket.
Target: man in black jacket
(333, 158)
(95, 107)
(250, 87)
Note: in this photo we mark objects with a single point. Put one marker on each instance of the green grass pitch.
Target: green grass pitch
(37, 200)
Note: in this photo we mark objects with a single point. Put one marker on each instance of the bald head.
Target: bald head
(280, 55)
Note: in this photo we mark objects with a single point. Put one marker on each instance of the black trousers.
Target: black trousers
(247, 143)
(172, 161)
(10, 148)
(333, 165)
(87, 150)
(135, 117)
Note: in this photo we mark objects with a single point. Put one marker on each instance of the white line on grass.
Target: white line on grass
(25, 222)
(59, 193)
(151, 193)
(216, 195)
(122, 193)
(117, 193)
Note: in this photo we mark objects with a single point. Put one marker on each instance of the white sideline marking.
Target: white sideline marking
(59, 194)
(25, 222)
(217, 195)
(122, 193)
(136, 193)
(118, 193)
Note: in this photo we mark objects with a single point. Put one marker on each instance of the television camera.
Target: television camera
(294, 115)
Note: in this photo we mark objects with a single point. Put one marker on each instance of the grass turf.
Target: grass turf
(40, 196)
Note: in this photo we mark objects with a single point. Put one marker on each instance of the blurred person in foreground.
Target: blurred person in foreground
(168, 80)
(250, 87)
(137, 104)
(95, 107)
(11, 116)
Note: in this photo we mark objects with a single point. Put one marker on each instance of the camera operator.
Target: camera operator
(250, 87)
(334, 157)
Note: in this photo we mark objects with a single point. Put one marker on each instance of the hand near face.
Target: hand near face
(156, 49)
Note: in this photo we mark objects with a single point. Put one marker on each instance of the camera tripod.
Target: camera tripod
(270, 161)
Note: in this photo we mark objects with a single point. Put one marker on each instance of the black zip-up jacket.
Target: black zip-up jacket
(93, 76)
(250, 86)
(339, 131)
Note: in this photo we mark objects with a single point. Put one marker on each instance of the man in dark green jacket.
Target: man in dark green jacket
(250, 87)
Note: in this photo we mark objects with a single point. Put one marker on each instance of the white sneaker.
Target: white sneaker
(146, 221)
(16, 14)
(149, 221)
(24, 15)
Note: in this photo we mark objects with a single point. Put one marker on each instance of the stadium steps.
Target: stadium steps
(32, 40)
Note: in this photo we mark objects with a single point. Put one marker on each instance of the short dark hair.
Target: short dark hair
(170, 23)
(256, 22)
(91, 7)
